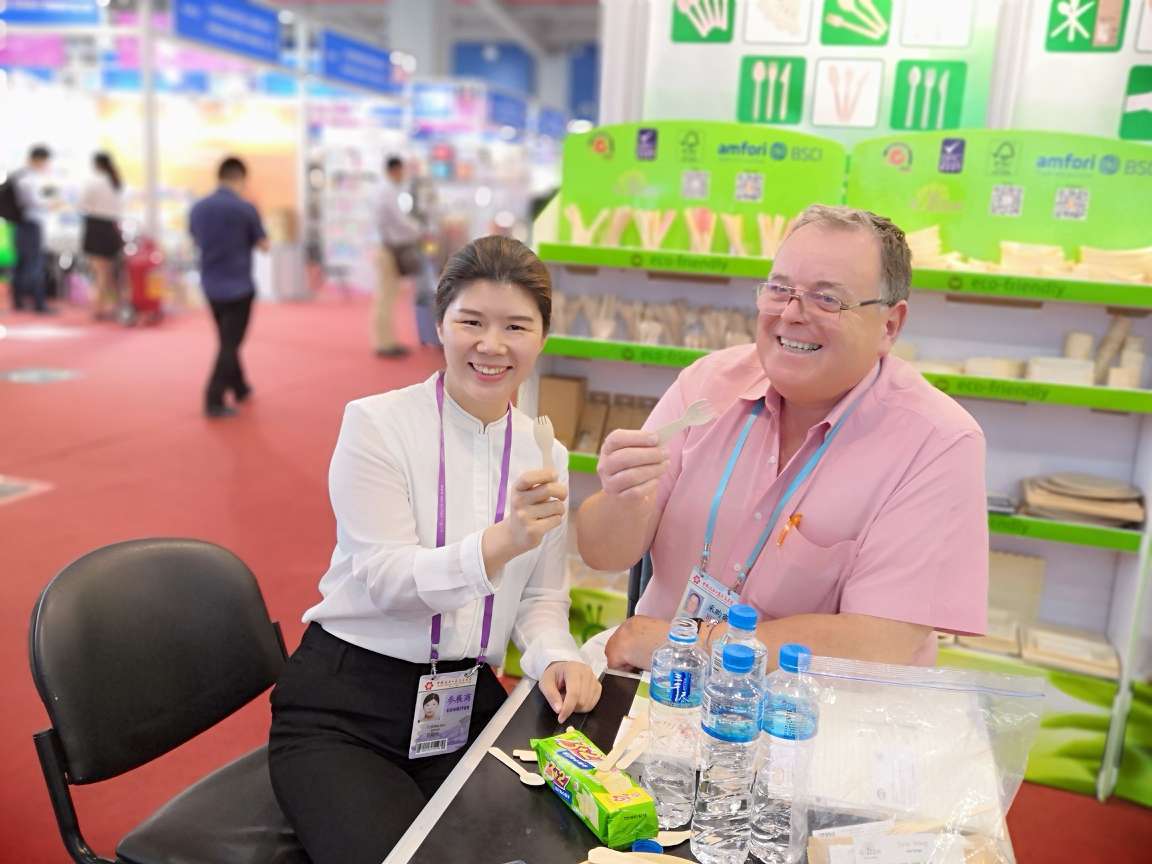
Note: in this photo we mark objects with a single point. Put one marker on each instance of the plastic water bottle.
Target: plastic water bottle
(788, 724)
(742, 622)
(676, 690)
(730, 723)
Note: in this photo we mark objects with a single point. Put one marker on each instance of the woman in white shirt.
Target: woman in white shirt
(450, 539)
(100, 204)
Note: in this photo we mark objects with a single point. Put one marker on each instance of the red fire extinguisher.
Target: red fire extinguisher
(145, 280)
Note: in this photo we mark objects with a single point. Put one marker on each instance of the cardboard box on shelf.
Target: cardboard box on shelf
(1003, 634)
(644, 406)
(1070, 648)
(562, 399)
(620, 414)
(590, 430)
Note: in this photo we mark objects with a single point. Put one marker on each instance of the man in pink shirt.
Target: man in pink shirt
(845, 494)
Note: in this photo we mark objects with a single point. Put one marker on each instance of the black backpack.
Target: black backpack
(11, 209)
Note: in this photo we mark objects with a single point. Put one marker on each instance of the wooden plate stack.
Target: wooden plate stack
(1083, 498)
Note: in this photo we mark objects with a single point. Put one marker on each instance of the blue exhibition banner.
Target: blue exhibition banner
(505, 110)
(551, 123)
(59, 13)
(351, 61)
(233, 25)
(116, 80)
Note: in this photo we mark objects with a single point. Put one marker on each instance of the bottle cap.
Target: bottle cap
(738, 658)
(742, 617)
(647, 846)
(683, 631)
(794, 657)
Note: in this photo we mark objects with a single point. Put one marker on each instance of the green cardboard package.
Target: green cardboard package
(568, 762)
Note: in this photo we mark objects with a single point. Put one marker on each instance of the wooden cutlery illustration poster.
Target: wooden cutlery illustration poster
(847, 69)
(1087, 67)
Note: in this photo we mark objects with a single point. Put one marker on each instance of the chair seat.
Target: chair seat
(229, 817)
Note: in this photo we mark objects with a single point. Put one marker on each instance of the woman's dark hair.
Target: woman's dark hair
(431, 697)
(496, 259)
(103, 163)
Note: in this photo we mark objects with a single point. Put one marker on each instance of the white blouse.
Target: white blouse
(386, 579)
(100, 199)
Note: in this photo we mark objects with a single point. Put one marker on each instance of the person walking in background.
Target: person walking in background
(100, 202)
(399, 256)
(226, 228)
(30, 208)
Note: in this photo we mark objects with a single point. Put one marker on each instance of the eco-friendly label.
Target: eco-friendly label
(1086, 25)
(1136, 114)
(771, 90)
(856, 22)
(702, 20)
(928, 94)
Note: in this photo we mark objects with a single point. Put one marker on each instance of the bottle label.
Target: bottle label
(733, 726)
(788, 719)
(678, 689)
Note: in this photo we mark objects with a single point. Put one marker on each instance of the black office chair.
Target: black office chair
(136, 648)
(638, 578)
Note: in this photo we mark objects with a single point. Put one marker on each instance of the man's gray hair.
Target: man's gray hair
(895, 256)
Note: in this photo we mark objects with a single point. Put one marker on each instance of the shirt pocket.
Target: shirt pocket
(799, 577)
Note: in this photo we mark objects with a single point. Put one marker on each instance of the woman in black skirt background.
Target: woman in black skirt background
(100, 203)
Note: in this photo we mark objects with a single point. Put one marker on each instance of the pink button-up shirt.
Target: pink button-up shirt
(893, 519)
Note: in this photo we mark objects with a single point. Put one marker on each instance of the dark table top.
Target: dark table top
(494, 818)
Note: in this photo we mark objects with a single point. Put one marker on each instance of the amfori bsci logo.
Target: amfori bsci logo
(1075, 163)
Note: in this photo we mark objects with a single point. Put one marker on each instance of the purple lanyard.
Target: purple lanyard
(441, 522)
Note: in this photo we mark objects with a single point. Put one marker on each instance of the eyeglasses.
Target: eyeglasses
(773, 298)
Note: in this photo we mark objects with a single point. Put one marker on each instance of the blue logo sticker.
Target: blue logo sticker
(1109, 164)
(779, 151)
(646, 143)
(680, 686)
(951, 156)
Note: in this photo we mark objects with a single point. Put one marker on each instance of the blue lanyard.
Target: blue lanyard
(796, 483)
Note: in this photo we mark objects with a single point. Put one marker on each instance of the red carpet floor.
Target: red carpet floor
(129, 454)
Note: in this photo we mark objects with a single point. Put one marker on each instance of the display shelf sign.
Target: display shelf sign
(232, 25)
(551, 123)
(38, 51)
(977, 188)
(446, 108)
(59, 13)
(666, 189)
(507, 112)
(351, 61)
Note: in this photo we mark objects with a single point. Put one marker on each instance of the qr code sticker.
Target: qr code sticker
(1071, 203)
(694, 185)
(1007, 200)
(750, 186)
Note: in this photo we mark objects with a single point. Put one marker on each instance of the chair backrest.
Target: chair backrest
(638, 578)
(139, 646)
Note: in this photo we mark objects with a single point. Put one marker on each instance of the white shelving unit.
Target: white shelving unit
(1087, 586)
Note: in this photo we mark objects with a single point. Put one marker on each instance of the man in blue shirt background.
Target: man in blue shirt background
(226, 228)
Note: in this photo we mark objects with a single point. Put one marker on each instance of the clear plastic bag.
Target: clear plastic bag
(913, 765)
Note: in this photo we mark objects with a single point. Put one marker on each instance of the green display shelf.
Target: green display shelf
(1072, 533)
(959, 386)
(1036, 288)
(1001, 285)
(656, 261)
(622, 352)
(585, 463)
(1009, 390)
